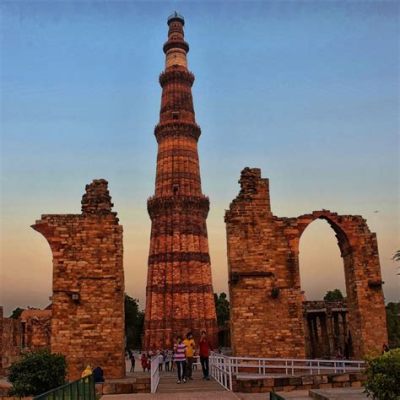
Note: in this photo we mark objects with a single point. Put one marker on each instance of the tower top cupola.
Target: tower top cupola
(176, 17)
(175, 48)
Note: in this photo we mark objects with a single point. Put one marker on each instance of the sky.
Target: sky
(306, 91)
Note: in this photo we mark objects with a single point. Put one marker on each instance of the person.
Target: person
(149, 355)
(87, 371)
(143, 360)
(190, 347)
(204, 352)
(166, 363)
(133, 361)
(172, 364)
(160, 360)
(98, 375)
(385, 348)
(180, 360)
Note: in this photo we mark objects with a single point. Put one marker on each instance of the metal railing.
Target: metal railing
(291, 366)
(223, 368)
(154, 373)
(82, 389)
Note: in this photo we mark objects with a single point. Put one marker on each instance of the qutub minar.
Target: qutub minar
(179, 293)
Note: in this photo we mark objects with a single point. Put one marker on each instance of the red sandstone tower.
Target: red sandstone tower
(179, 293)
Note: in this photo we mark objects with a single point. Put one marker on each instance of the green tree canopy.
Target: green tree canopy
(37, 372)
(383, 376)
(134, 321)
(222, 308)
(393, 324)
(333, 295)
(396, 257)
(16, 313)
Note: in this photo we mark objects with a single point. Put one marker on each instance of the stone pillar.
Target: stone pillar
(88, 284)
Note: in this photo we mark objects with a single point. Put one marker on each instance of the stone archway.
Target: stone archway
(359, 251)
(264, 286)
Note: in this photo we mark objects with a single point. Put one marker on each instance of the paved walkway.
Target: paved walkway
(168, 384)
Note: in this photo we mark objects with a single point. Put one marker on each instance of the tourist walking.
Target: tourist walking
(167, 360)
(204, 352)
(131, 356)
(160, 358)
(180, 359)
(144, 360)
(190, 347)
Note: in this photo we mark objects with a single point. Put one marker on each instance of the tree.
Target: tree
(37, 372)
(383, 376)
(334, 295)
(396, 257)
(134, 321)
(16, 313)
(393, 324)
(222, 308)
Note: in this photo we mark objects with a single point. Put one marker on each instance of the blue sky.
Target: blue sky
(307, 91)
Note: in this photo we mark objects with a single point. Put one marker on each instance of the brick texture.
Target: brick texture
(179, 294)
(265, 293)
(87, 324)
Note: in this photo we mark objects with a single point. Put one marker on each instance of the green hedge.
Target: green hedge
(37, 372)
(383, 376)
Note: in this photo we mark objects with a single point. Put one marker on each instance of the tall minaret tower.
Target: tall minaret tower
(179, 293)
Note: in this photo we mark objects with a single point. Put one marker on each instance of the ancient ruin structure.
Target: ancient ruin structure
(264, 279)
(179, 294)
(30, 331)
(87, 324)
(325, 327)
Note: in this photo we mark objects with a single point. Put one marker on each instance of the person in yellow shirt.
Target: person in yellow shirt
(190, 348)
(87, 371)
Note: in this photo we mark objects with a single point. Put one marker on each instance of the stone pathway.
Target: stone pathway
(168, 384)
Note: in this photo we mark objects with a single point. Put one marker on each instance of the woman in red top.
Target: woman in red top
(204, 351)
(144, 360)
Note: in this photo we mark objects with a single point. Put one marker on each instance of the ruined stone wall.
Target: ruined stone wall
(265, 293)
(88, 284)
(11, 342)
(266, 303)
(35, 329)
(326, 329)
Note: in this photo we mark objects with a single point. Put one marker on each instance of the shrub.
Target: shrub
(37, 372)
(383, 376)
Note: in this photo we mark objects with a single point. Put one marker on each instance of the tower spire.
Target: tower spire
(179, 293)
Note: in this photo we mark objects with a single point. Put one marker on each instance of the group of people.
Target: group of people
(184, 352)
(182, 357)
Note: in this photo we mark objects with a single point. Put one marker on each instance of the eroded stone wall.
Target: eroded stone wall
(11, 342)
(265, 293)
(87, 323)
(35, 329)
(326, 331)
(31, 331)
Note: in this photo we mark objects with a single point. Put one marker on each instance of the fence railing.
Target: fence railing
(292, 366)
(223, 368)
(82, 389)
(154, 373)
